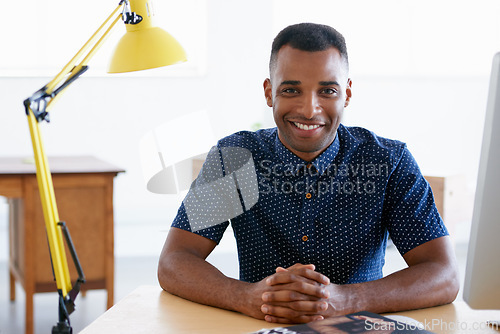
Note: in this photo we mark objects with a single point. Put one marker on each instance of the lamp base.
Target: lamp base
(62, 328)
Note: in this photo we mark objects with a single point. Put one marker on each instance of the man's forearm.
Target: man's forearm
(190, 277)
(419, 286)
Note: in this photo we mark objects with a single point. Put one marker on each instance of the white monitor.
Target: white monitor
(482, 276)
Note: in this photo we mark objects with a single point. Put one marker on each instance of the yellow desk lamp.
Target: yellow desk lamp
(143, 46)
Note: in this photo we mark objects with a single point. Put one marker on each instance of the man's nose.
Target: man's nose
(311, 105)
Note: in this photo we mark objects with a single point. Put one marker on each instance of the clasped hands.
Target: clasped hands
(297, 294)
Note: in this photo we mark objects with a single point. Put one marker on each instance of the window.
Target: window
(406, 37)
(45, 35)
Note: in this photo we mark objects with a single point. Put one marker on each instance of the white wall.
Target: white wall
(439, 116)
(107, 116)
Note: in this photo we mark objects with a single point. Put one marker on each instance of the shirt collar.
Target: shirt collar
(292, 163)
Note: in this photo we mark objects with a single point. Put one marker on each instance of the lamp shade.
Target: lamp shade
(145, 46)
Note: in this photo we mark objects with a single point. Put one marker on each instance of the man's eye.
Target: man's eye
(329, 91)
(288, 91)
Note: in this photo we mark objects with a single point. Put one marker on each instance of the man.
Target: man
(313, 245)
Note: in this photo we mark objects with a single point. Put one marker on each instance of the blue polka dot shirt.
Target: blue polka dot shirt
(335, 212)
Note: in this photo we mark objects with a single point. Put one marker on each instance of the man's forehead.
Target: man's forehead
(291, 60)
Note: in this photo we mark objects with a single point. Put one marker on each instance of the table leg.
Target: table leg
(12, 283)
(110, 258)
(29, 311)
(110, 292)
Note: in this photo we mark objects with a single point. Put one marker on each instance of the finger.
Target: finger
(302, 319)
(303, 286)
(300, 265)
(286, 296)
(278, 313)
(295, 275)
(296, 266)
(304, 306)
(296, 291)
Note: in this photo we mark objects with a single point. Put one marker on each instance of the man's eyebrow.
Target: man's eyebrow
(291, 82)
(329, 83)
(298, 82)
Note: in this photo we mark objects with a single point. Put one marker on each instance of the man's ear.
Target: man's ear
(348, 93)
(268, 92)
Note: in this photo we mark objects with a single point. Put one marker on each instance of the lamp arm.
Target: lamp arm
(37, 110)
(41, 100)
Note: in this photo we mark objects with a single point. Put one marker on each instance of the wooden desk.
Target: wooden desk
(151, 310)
(84, 194)
(148, 309)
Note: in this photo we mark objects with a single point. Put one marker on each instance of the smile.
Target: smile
(305, 126)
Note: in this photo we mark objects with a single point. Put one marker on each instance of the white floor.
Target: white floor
(130, 272)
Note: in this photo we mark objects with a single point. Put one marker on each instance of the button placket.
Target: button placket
(307, 216)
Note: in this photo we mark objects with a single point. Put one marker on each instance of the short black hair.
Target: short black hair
(309, 37)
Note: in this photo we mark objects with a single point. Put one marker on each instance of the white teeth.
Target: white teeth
(305, 126)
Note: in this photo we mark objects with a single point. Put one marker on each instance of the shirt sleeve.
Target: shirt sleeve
(211, 171)
(214, 233)
(410, 212)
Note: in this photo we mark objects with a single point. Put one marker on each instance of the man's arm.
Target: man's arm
(183, 271)
(431, 279)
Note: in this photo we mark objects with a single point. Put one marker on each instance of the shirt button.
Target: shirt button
(308, 195)
(305, 238)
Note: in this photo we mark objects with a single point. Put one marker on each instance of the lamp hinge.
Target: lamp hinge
(128, 16)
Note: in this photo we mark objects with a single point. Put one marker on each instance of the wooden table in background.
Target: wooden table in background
(84, 195)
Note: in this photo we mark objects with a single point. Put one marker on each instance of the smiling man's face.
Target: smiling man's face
(308, 92)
